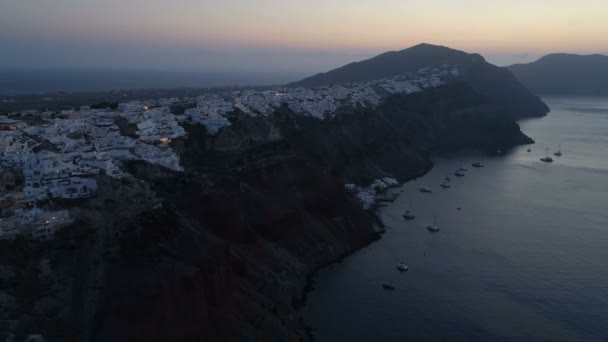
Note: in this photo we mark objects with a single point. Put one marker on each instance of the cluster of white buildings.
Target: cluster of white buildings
(368, 195)
(322, 102)
(60, 155)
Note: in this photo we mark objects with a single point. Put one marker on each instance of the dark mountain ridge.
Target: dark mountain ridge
(565, 74)
(485, 78)
(389, 64)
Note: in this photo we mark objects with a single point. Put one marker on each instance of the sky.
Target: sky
(286, 35)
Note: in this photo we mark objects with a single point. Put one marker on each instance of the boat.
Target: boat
(424, 189)
(559, 151)
(529, 150)
(409, 214)
(445, 185)
(448, 179)
(459, 173)
(388, 286)
(477, 164)
(402, 267)
(547, 159)
(433, 227)
(463, 169)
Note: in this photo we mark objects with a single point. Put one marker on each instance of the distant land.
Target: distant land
(487, 79)
(25, 81)
(565, 74)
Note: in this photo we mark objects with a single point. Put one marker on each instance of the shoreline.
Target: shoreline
(377, 222)
(374, 213)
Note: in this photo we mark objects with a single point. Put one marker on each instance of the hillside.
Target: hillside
(487, 79)
(565, 74)
(223, 249)
(208, 215)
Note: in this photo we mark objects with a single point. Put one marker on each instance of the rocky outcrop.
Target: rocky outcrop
(223, 250)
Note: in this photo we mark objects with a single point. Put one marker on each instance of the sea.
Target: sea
(26, 82)
(524, 259)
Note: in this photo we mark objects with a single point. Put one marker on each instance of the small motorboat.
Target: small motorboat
(388, 286)
(448, 179)
(409, 214)
(402, 267)
(424, 189)
(459, 173)
(445, 185)
(477, 164)
(529, 150)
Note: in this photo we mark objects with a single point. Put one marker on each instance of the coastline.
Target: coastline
(312, 159)
(381, 228)
(374, 214)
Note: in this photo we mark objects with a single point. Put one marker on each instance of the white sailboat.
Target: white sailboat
(559, 151)
(402, 267)
(547, 159)
(433, 227)
(479, 164)
(409, 215)
(424, 189)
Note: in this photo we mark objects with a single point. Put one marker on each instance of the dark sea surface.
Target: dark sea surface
(22, 82)
(525, 260)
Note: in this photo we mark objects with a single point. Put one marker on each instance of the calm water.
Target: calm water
(525, 260)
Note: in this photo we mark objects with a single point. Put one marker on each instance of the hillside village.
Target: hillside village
(59, 155)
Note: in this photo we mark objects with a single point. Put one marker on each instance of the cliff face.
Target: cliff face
(228, 256)
(222, 251)
(395, 138)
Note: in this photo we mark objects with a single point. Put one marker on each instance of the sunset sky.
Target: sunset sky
(311, 35)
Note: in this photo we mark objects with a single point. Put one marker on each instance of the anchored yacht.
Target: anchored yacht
(433, 227)
(409, 214)
(402, 267)
(547, 159)
(424, 189)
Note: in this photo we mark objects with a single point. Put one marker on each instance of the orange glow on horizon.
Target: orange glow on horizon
(333, 26)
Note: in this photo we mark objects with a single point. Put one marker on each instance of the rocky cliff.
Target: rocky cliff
(223, 250)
